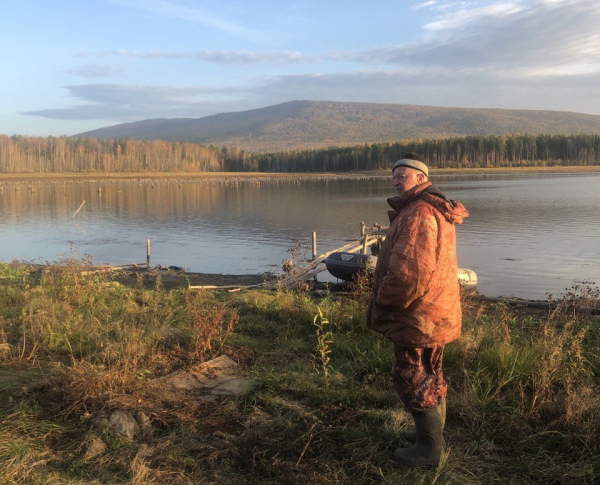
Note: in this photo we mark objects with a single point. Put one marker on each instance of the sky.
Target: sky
(70, 66)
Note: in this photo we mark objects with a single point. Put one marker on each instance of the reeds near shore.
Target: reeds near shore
(33, 181)
(524, 402)
(16, 180)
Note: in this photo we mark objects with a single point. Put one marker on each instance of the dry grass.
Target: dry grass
(523, 407)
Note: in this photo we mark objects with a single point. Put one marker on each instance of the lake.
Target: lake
(527, 235)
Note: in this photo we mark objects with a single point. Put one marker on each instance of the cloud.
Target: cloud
(507, 36)
(532, 36)
(467, 14)
(536, 54)
(441, 87)
(237, 57)
(429, 3)
(96, 70)
(122, 102)
(436, 86)
(203, 16)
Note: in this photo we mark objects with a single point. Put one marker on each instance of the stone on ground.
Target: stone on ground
(123, 423)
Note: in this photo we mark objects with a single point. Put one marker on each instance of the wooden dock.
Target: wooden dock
(298, 274)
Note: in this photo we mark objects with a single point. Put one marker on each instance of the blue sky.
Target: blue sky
(69, 66)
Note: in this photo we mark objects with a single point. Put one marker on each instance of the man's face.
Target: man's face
(405, 178)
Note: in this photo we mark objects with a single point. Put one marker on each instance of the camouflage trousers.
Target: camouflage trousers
(418, 378)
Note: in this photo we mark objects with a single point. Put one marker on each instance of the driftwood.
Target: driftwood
(108, 269)
(230, 288)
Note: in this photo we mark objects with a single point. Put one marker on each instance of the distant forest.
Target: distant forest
(65, 154)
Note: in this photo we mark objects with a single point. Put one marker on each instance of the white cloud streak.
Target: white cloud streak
(237, 57)
(462, 16)
(124, 102)
(203, 16)
(427, 4)
(96, 71)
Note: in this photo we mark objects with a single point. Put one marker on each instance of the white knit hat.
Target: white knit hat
(412, 160)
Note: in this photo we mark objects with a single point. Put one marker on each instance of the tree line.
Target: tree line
(65, 154)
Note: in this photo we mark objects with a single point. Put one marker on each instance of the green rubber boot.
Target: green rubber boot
(428, 448)
(411, 435)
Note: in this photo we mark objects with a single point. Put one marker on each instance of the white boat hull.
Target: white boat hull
(467, 278)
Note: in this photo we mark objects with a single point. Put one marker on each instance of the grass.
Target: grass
(523, 407)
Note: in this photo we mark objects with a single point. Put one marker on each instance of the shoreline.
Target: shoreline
(271, 176)
(173, 277)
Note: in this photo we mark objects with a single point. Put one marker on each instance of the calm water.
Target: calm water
(526, 236)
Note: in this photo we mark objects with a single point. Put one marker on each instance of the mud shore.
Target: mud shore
(264, 176)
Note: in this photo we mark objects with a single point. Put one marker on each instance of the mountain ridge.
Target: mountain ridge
(319, 124)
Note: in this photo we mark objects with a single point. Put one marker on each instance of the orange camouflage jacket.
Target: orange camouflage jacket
(416, 293)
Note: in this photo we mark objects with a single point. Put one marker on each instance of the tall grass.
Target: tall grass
(106, 335)
(523, 407)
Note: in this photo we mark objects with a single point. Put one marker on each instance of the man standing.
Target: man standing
(416, 301)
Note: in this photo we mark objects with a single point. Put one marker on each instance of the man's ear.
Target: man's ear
(421, 177)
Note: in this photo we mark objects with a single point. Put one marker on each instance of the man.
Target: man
(416, 301)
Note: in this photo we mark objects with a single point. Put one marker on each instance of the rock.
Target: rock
(145, 424)
(96, 447)
(142, 419)
(100, 423)
(124, 424)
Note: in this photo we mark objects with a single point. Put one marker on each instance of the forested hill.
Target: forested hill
(317, 124)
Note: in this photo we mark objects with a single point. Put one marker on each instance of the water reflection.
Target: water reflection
(527, 235)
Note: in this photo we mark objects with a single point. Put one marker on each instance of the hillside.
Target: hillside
(318, 124)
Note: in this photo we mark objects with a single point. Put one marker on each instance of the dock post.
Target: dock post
(148, 253)
(364, 248)
(362, 228)
(314, 245)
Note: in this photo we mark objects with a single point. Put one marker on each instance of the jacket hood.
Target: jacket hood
(452, 210)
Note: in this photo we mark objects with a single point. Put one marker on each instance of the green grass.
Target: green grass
(523, 405)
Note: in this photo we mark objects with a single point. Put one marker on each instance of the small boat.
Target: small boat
(345, 266)
(467, 278)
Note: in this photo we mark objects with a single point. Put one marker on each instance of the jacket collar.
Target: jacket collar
(401, 201)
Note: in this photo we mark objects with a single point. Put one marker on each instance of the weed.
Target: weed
(212, 326)
(361, 286)
(324, 340)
